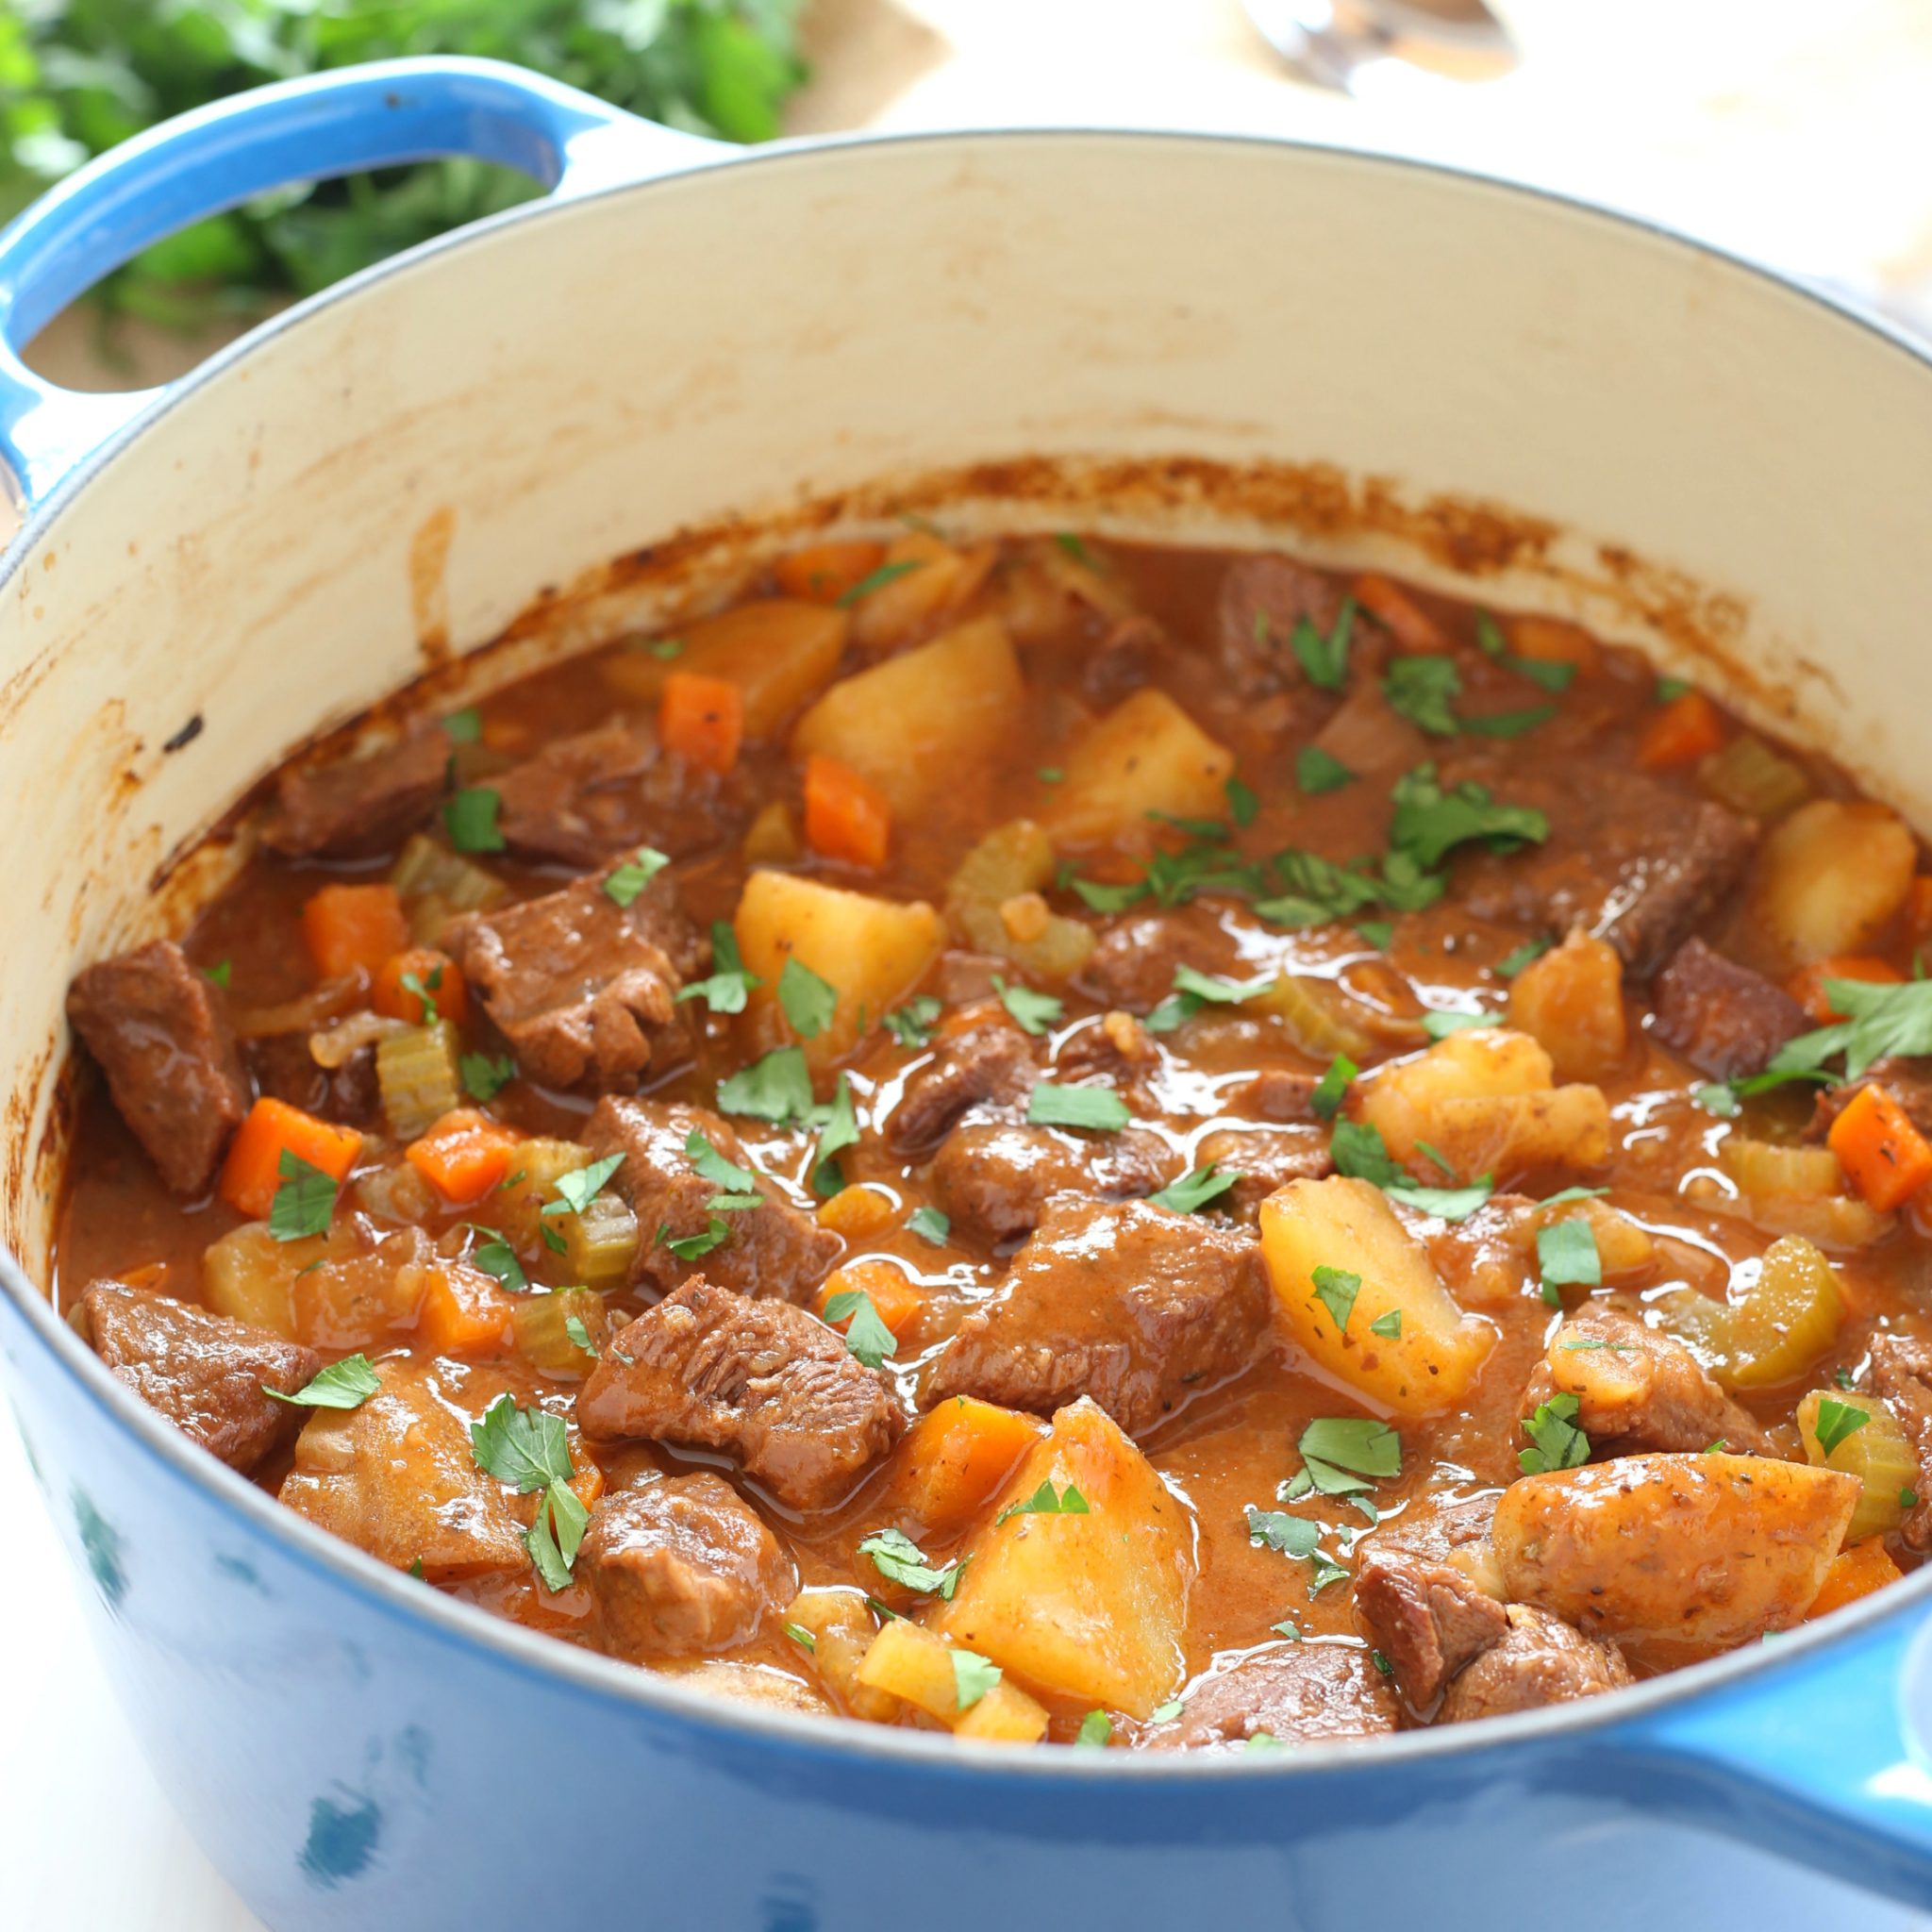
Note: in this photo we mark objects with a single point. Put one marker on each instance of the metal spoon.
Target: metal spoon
(1332, 41)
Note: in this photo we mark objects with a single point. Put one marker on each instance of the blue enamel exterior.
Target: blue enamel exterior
(353, 1749)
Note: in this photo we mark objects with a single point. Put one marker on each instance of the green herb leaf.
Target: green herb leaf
(304, 1200)
(1097, 1727)
(574, 1327)
(1323, 659)
(1419, 689)
(485, 1078)
(1289, 1628)
(1243, 806)
(1555, 1442)
(1438, 1023)
(630, 878)
(840, 1132)
(1050, 774)
(1554, 677)
(911, 1024)
(554, 1540)
(1669, 690)
(498, 1257)
(470, 820)
(1837, 1421)
(777, 1088)
(1355, 1442)
(1192, 990)
(1166, 1713)
(1567, 1257)
(1317, 771)
(346, 1384)
(809, 1002)
(529, 1449)
(1195, 1191)
(972, 1678)
(1388, 1325)
(1106, 898)
(1332, 1088)
(1358, 1151)
(801, 1636)
(868, 1338)
(693, 1247)
(1880, 1020)
(1336, 1289)
(1292, 1536)
(1512, 963)
(886, 573)
(930, 1225)
(465, 726)
(220, 974)
(1430, 822)
(1718, 1097)
(1097, 1110)
(1035, 1011)
(1378, 932)
(900, 1560)
(724, 991)
(1046, 1501)
(665, 649)
(1445, 1204)
(576, 1190)
(1508, 723)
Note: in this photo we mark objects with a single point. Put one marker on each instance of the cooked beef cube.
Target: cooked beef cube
(994, 1175)
(397, 1476)
(1276, 1094)
(1134, 1305)
(285, 1070)
(1542, 1660)
(1367, 735)
(1628, 860)
(1119, 1049)
(773, 1249)
(584, 988)
(1444, 1529)
(1262, 599)
(204, 1373)
(985, 1063)
(160, 1029)
(1638, 1389)
(1133, 965)
(1297, 1694)
(362, 806)
(1725, 1019)
(1427, 1619)
(1907, 1078)
(681, 1567)
(1902, 1375)
(1263, 1159)
(762, 1379)
(1121, 662)
(588, 799)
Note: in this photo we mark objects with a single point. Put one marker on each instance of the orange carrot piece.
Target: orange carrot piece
(1550, 641)
(1884, 1156)
(349, 928)
(846, 816)
(437, 991)
(1414, 629)
(465, 1313)
(955, 1458)
(898, 1300)
(1854, 1574)
(1807, 985)
(587, 1485)
(824, 572)
(1689, 727)
(253, 1170)
(463, 1155)
(702, 718)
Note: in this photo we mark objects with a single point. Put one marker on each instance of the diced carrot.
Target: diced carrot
(855, 1211)
(465, 1313)
(822, 572)
(464, 1155)
(1807, 985)
(253, 1170)
(1688, 728)
(1414, 629)
(437, 992)
(1918, 907)
(1550, 641)
(898, 1300)
(352, 926)
(587, 1485)
(846, 817)
(956, 1456)
(702, 718)
(1853, 1573)
(1884, 1156)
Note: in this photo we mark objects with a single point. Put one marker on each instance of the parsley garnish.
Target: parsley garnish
(1357, 1149)
(724, 991)
(1438, 1023)
(1050, 774)
(1567, 1257)
(1671, 689)
(1192, 990)
(665, 649)
(840, 1132)
(800, 1635)
(1291, 1535)
(1556, 1441)
(1353, 1442)
(1035, 1011)
(1880, 1020)
(777, 1088)
(911, 1024)
(1554, 677)
(878, 579)
(574, 1327)
(1096, 1108)
(1419, 689)
(1388, 1325)
(809, 1002)
(498, 1257)
(1837, 1421)
(693, 1247)
(1243, 804)
(485, 1077)
(868, 1337)
(1317, 771)
(1289, 1628)
(529, 1449)
(1166, 1713)
(303, 1201)
(1097, 1727)
(1430, 822)
(1512, 963)
(471, 818)
(576, 1190)
(346, 1384)
(1378, 932)
(972, 1678)
(1046, 1501)
(1073, 547)
(220, 974)
(1196, 1190)
(1323, 659)
(464, 726)
(1509, 724)
(930, 1225)
(1336, 1289)
(1333, 1085)
(900, 1560)
(1718, 1097)
(630, 878)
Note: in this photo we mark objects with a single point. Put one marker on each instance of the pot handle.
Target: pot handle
(1825, 1761)
(380, 115)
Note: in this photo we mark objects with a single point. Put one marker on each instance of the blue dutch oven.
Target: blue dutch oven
(1212, 339)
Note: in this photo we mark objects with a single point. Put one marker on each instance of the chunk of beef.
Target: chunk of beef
(1275, 1093)
(1133, 1305)
(1725, 1019)
(1119, 1049)
(1296, 1693)
(1121, 662)
(985, 1063)
(584, 988)
(1902, 1375)
(1429, 1621)
(1368, 736)
(204, 1373)
(361, 806)
(1628, 860)
(1638, 1389)
(771, 1250)
(585, 800)
(159, 1031)
(994, 1175)
(1263, 1159)
(682, 1567)
(285, 1068)
(1907, 1078)
(397, 1476)
(760, 1379)
(1133, 965)
(1442, 1529)
(1261, 600)
(1542, 1660)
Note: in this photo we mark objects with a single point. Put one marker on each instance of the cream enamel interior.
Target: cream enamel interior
(591, 380)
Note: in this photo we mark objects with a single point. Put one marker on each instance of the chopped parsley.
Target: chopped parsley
(496, 1256)
(1555, 1442)
(808, 1001)
(1509, 724)
(1836, 1422)
(1669, 690)
(1718, 1097)
(1098, 1109)
(346, 1384)
(1050, 774)
(574, 1327)
(693, 1247)
(1046, 1501)
(972, 1678)
(484, 1077)
(1323, 659)
(1430, 822)
(1336, 1289)
(1097, 1727)
(1332, 1088)
(738, 1187)
(470, 820)
(529, 1449)
(1567, 1257)
(1074, 548)
(1388, 1325)
(1357, 1149)
(1842, 1376)
(1264, 1740)
(1292, 1536)
(1378, 932)
(878, 579)
(1289, 1628)
(1555, 676)
(464, 726)
(1243, 806)
(576, 1190)
(1512, 963)
(1419, 689)
(1166, 1713)
(911, 1024)
(1034, 1011)
(1880, 1020)
(220, 974)
(1360, 1443)
(304, 1200)
(724, 991)
(1193, 990)
(930, 1225)
(900, 1560)
(1438, 1023)
(868, 1338)
(1317, 771)
(777, 1088)
(1381, 1663)
(801, 1636)
(627, 880)
(1196, 1190)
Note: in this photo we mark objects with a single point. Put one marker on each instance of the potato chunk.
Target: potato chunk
(930, 577)
(778, 652)
(1088, 1606)
(873, 951)
(1486, 1101)
(1145, 755)
(1833, 876)
(914, 723)
(1571, 1003)
(910, 1662)
(1348, 1225)
(1710, 1550)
